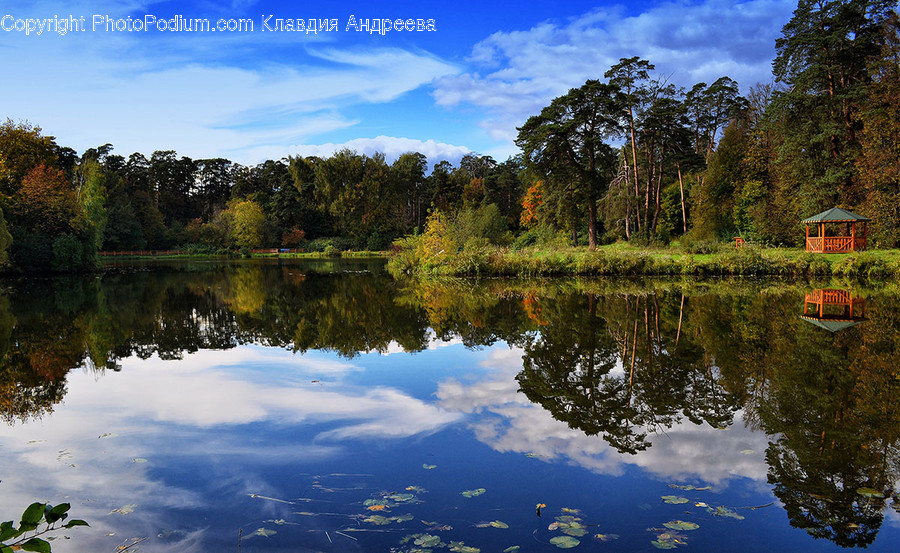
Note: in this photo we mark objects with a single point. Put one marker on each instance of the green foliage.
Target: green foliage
(68, 253)
(484, 224)
(5, 241)
(37, 520)
(246, 220)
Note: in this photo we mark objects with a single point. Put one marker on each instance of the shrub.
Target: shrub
(68, 253)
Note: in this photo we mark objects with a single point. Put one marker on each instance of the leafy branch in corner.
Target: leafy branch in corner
(37, 520)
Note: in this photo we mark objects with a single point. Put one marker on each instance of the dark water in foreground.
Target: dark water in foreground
(326, 407)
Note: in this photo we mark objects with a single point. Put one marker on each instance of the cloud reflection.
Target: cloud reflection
(200, 411)
(508, 422)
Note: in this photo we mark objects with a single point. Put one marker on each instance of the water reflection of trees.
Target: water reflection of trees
(616, 366)
(621, 360)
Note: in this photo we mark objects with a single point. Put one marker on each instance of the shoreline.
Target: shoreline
(616, 260)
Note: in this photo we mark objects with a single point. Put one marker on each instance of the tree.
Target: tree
(247, 219)
(408, 177)
(632, 75)
(5, 241)
(22, 148)
(565, 145)
(823, 57)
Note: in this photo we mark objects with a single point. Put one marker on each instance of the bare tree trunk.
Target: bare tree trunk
(683, 208)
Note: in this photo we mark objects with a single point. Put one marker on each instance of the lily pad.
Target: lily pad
(674, 499)
(512, 549)
(472, 493)
(426, 466)
(669, 540)
(124, 510)
(606, 537)
(681, 525)
(264, 532)
(377, 520)
(139, 460)
(428, 540)
(869, 492)
(564, 542)
(690, 487)
(499, 524)
(461, 547)
(726, 512)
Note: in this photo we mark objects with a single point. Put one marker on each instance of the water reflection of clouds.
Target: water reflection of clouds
(509, 422)
(197, 408)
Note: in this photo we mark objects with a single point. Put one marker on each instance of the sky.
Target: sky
(477, 71)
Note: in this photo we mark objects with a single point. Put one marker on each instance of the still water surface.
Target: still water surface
(324, 406)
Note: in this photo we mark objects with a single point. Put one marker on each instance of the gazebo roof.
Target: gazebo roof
(835, 214)
(832, 325)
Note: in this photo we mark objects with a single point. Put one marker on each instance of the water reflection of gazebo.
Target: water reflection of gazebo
(833, 310)
(851, 241)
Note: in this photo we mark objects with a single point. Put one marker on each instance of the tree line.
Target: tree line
(629, 157)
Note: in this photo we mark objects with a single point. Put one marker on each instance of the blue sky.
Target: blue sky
(251, 96)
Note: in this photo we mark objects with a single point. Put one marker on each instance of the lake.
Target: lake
(267, 406)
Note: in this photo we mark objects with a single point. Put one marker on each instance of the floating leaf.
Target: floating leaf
(108, 435)
(747, 452)
(726, 512)
(564, 542)
(377, 519)
(499, 524)
(125, 510)
(377, 507)
(512, 549)
(533, 455)
(264, 532)
(701, 504)
(674, 499)
(138, 460)
(428, 540)
(568, 510)
(607, 537)
(869, 492)
(429, 467)
(669, 540)
(416, 489)
(401, 497)
(404, 518)
(690, 487)
(461, 547)
(681, 525)
(472, 493)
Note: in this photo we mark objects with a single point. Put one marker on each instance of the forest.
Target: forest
(625, 157)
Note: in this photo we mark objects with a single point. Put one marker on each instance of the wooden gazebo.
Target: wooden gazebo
(851, 240)
(833, 310)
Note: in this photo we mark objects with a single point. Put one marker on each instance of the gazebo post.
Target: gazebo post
(807, 239)
(822, 234)
(853, 241)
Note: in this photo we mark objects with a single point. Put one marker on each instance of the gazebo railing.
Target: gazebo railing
(834, 244)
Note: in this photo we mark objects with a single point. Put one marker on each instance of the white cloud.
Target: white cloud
(392, 147)
(202, 95)
(516, 73)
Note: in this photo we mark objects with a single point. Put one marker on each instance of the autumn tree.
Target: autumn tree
(246, 223)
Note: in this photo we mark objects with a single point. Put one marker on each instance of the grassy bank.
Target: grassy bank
(626, 260)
